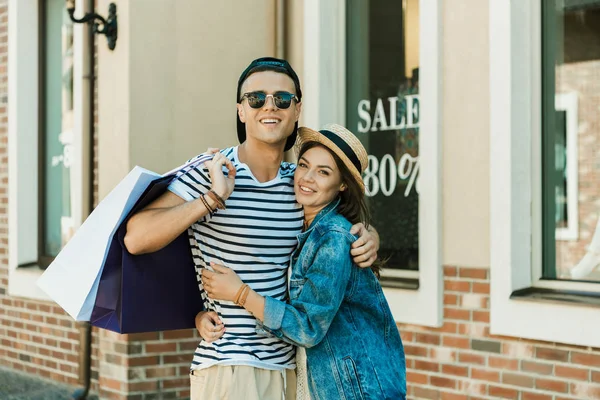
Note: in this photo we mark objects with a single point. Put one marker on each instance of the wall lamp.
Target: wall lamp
(109, 25)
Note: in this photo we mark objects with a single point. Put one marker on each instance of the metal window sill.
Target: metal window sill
(580, 298)
(399, 283)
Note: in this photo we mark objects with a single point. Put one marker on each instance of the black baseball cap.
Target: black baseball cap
(268, 64)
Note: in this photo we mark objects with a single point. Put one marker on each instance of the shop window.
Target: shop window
(383, 109)
(570, 140)
(544, 208)
(55, 130)
(48, 138)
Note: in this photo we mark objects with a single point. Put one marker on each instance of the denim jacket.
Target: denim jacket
(339, 313)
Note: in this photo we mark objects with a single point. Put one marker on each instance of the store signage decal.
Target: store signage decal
(382, 175)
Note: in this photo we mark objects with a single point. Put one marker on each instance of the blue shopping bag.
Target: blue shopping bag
(149, 292)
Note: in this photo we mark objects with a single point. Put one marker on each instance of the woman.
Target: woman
(336, 310)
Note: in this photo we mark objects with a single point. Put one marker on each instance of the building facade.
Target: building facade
(488, 219)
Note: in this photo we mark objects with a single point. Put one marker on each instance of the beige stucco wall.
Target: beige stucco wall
(163, 98)
(466, 133)
(167, 91)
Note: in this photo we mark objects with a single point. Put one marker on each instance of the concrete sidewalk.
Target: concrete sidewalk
(15, 385)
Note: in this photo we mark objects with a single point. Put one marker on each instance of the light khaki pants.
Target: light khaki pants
(241, 382)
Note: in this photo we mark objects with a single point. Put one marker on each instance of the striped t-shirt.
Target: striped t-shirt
(254, 236)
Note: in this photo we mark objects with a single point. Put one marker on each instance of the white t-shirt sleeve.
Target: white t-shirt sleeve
(191, 182)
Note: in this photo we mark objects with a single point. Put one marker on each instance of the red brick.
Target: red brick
(450, 299)
(406, 336)
(457, 313)
(426, 366)
(457, 286)
(183, 394)
(143, 386)
(417, 378)
(449, 327)
(479, 287)
(505, 393)
(188, 345)
(573, 373)
(180, 334)
(468, 358)
(473, 273)
(422, 393)
(539, 368)
(459, 342)
(160, 347)
(415, 351)
(439, 381)
(450, 271)
(448, 369)
(485, 375)
(535, 396)
(551, 354)
(593, 360)
(481, 316)
(143, 361)
(110, 383)
(595, 376)
(551, 385)
(428, 338)
(176, 383)
(517, 379)
(183, 359)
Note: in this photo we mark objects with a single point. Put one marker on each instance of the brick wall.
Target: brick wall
(461, 360)
(147, 365)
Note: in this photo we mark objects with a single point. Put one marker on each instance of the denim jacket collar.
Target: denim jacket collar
(325, 211)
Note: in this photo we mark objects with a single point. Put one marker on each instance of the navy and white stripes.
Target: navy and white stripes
(254, 236)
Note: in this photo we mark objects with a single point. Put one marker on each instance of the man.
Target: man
(246, 219)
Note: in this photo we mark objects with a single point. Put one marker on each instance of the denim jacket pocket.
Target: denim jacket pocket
(296, 286)
(352, 373)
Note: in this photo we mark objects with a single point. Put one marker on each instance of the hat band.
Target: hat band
(339, 142)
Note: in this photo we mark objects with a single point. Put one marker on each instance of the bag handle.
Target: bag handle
(193, 163)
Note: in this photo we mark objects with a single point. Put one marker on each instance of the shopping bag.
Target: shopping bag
(71, 280)
(149, 292)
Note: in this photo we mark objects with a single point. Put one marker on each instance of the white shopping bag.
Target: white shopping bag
(72, 278)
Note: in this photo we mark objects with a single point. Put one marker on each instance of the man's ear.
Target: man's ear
(241, 112)
(298, 110)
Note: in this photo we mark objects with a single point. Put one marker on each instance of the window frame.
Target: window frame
(568, 102)
(515, 188)
(324, 83)
(25, 112)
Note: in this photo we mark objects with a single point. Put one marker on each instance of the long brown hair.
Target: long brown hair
(353, 205)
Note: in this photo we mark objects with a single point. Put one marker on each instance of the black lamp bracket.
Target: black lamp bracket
(109, 25)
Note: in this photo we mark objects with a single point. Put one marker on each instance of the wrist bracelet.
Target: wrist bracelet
(244, 296)
(216, 198)
(210, 210)
(239, 292)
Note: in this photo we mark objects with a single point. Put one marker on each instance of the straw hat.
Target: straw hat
(343, 143)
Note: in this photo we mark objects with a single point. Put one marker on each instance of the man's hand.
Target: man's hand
(364, 249)
(222, 185)
(209, 326)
